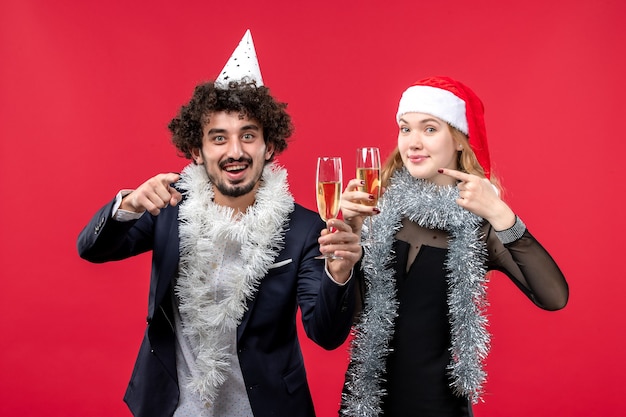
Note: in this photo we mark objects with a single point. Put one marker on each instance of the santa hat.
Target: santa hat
(243, 64)
(456, 104)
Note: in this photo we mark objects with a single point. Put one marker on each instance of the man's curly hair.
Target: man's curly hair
(246, 99)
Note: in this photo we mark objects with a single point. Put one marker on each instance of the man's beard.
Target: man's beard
(236, 190)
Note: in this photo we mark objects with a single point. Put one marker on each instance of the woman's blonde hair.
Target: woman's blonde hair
(466, 160)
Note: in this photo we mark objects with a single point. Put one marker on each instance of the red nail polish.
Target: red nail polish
(376, 210)
(440, 171)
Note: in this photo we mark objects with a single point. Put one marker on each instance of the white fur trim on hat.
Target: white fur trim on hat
(434, 101)
(242, 64)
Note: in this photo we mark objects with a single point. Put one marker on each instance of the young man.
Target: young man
(233, 259)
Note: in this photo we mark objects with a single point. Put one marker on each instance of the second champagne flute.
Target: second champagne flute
(368, 171)
(328, 190)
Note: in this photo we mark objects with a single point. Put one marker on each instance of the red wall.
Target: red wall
(87, 89)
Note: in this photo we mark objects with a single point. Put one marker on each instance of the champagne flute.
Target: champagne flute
(368, 171)
(328, 190)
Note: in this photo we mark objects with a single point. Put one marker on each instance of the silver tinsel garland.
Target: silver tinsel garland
(433, 207)
(210, 316)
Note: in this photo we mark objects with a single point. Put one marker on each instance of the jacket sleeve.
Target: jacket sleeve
(327, 307)
(104, 239)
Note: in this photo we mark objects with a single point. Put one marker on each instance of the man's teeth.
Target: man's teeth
(235, 168)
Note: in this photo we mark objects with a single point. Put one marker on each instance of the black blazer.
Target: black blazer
(267, 344)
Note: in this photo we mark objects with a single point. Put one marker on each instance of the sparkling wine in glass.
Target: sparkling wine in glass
(368, 171)
(328, 189)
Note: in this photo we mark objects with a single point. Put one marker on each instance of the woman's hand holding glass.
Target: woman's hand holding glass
(352, 207)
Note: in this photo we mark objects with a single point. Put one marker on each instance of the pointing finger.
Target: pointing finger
(171, 177)
(461, 176)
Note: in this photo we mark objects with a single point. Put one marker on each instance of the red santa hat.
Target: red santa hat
(454, 103)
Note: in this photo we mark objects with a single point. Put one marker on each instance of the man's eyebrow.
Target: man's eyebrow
(250, 127)
(216, 130)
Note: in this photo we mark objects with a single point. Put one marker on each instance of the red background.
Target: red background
(87, 89)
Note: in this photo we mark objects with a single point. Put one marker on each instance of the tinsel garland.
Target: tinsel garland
(208, 320)
(433, 207)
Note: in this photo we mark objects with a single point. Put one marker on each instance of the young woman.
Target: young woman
(421, 338)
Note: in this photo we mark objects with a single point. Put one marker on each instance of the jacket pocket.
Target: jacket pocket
(281, 263)
(295, 379)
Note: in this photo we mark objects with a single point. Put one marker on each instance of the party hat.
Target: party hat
(242, 64)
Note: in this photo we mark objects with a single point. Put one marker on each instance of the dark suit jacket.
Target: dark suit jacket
(268, 348)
